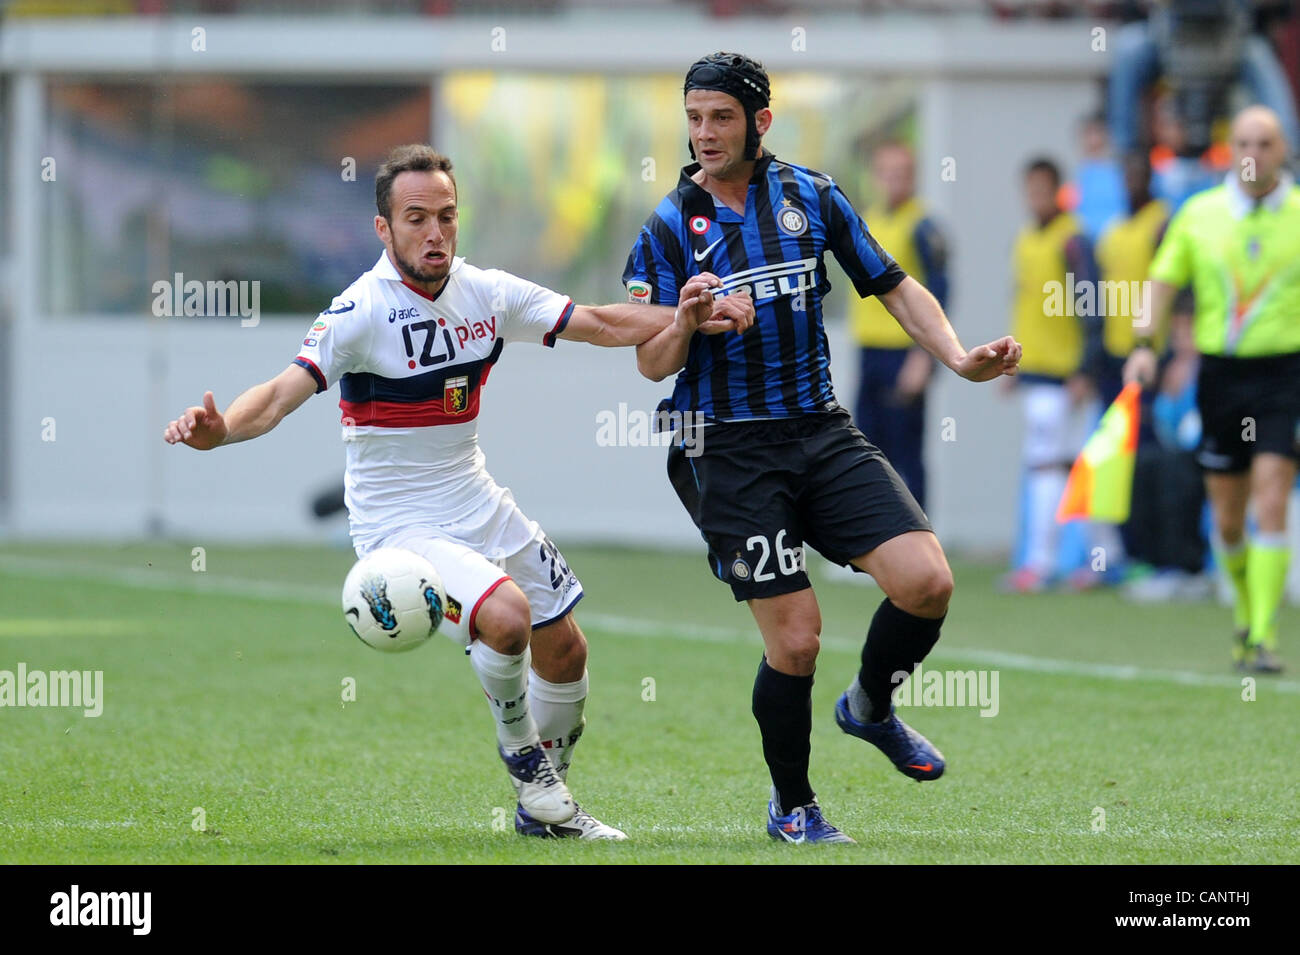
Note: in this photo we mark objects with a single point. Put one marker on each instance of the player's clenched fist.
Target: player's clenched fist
(700, 309)
(733, 312)
(1001, 357)
(202, 428)
(695, 301)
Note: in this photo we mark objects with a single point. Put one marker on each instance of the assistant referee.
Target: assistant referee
(1238, 246)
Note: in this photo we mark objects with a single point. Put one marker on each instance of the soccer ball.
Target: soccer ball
(393, 599)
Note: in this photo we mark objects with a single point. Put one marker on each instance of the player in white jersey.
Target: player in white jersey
(411, 343)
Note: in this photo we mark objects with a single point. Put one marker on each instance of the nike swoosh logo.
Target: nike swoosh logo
(702, 255)
(925, 769)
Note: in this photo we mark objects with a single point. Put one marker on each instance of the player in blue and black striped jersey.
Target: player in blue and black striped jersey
(766, 460)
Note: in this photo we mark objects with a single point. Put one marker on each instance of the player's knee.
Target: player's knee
(927, 593)
(503, 621)
(796, 653)
(1270, 508)
(575, 656)
(1229, 528)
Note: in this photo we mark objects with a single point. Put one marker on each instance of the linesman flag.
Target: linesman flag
(1100, 487)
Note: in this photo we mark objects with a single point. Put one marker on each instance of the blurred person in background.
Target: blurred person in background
(1198, 49)
(1124, 255)
(1052, 265)
(895, 371)
(1176, 177)
(1238, 246)
(1097, 193)
(1164, 532)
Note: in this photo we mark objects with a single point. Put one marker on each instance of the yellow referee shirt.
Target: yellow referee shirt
(1242, 259)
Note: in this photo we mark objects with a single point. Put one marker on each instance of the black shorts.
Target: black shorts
(759, 490)
(1247, 405)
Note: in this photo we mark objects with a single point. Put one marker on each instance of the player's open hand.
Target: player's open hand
(202, 428)
(986, 362)
(731, 313)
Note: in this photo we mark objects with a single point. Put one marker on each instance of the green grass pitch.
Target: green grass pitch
(223, 692)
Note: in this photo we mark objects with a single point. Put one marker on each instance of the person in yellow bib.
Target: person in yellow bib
(1238, 246)
(1124, 254)
(893, 370)
(1054, 319)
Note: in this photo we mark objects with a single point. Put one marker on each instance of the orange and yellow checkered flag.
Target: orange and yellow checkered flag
(1100, 487)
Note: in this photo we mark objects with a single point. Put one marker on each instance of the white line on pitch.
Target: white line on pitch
(316, 595)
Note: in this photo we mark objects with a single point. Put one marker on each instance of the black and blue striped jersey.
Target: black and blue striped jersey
(793, 216)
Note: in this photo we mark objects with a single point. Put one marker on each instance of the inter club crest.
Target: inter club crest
(791, 219)
(455, 396)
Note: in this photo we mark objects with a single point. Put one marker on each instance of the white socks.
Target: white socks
(1044, 488)
(557, 710)
(527, 707)
(505, 680)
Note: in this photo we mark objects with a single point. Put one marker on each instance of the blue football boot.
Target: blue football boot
(910, 752)
(804, 824)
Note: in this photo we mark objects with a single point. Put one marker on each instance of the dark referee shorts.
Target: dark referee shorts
(759, 490)
(1247, 406)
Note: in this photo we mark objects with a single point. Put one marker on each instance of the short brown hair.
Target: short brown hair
(414, 157)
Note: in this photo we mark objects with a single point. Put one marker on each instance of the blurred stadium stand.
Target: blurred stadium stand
(225, 163)
(718, 8)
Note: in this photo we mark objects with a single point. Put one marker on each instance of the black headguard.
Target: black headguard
(736, 75)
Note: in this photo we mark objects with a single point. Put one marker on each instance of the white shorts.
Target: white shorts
(535, 565)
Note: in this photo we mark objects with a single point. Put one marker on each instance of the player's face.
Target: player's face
(421, 237)
(717, 127)
(895, 176)
(1094, 140)
(1040, 195)
(1257, 150)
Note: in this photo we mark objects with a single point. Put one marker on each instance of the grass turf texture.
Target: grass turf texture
(223, 690)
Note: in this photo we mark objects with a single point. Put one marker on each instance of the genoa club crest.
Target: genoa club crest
(455, 396)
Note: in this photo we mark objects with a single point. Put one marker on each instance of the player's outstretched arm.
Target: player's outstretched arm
(697, 311)
(922, 317)
(632, 324)
(255, 412)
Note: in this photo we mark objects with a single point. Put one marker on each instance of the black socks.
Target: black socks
(783, 708)
(896, 643)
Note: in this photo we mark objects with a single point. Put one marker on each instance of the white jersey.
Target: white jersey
(410, 368)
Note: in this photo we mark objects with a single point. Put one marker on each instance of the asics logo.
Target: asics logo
(703, 254)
